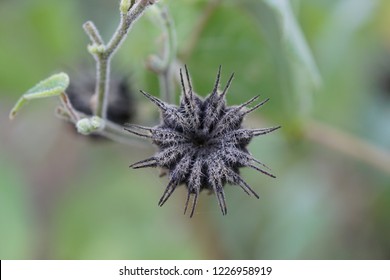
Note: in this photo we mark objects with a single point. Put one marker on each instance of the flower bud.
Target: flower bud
(87, 126)
(125, 6)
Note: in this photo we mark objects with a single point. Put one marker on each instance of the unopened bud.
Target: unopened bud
(125, 6)
(88, 125)
(96, 49)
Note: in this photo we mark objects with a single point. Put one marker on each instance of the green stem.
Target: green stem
(69, 108)
(110, 129)
(93, 33)
(162, 66)
(166, 86)
(102, 86)
(104, 54)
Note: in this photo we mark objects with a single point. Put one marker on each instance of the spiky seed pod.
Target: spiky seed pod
(202, 143)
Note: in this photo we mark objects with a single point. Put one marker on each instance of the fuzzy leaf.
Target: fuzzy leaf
(51, 86)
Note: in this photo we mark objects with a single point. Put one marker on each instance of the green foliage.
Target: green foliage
(324, 204)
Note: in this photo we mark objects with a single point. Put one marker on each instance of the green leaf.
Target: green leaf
(52, 86)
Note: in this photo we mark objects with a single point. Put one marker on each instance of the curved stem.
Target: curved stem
(162, 66)
(166, 86)
(73, 115)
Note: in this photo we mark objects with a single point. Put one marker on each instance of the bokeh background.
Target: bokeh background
(325, 64)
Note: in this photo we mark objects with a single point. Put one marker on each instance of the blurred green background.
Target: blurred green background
(325, 64)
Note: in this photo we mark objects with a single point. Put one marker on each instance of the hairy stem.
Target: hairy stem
(74, 116)
(103, 53)
(93, 33)
(102, 86)
(110, 129)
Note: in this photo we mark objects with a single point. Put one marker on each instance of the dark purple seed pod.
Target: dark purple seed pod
(201, 143)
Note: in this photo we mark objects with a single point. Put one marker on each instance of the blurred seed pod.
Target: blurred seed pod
(121, 102)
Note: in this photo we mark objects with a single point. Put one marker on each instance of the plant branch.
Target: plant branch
(130, 12)
(72, 114)
(93, 33)
(109, 130)
(162, 66)
(347, 144)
